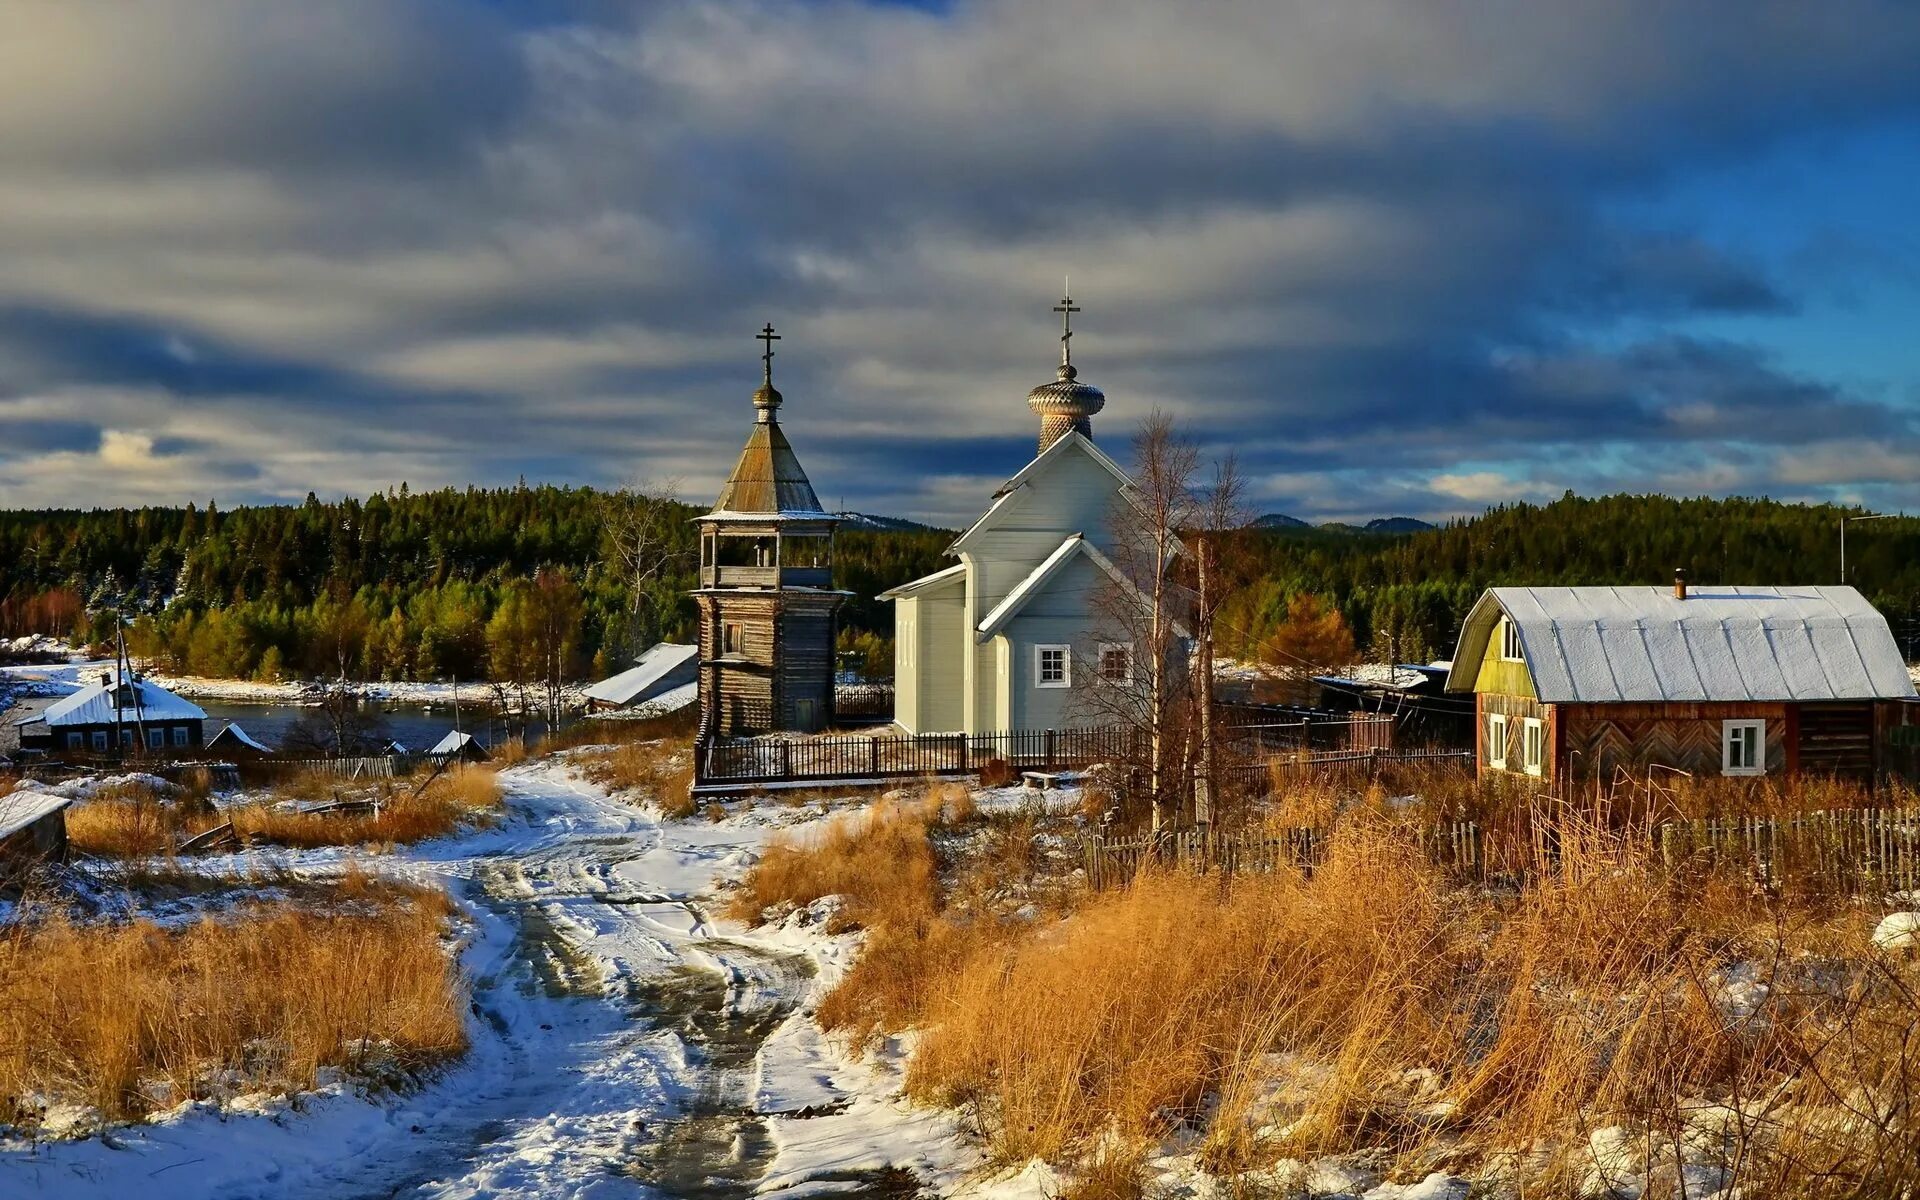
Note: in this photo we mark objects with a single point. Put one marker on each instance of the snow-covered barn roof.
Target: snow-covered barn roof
(1644, 644)
(233, 732)
(22, 808)
(94, 705)
(632, 683)
(454, 743)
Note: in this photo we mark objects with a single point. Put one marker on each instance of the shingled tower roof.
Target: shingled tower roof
(768, 480)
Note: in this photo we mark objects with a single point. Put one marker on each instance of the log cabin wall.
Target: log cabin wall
(1838, 739)
(1603, 740)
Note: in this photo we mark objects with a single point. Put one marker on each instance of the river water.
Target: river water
(414, 726)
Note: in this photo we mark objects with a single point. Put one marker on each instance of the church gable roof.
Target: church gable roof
(1046, 461)
(947, 576)
(1050, 568)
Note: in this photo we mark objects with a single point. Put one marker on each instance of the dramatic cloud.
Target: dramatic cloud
(1400, 255)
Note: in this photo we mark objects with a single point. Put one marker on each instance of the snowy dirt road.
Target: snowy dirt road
(626, 1042)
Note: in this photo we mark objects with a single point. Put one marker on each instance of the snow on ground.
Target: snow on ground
(626, 1041)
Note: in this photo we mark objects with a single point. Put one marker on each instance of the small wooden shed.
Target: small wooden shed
(33, 828)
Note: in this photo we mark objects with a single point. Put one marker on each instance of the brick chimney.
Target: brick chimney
(1679, 583)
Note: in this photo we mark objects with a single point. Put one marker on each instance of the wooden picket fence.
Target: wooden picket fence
(1845, 851)
(1862, 849)
(1458, 848)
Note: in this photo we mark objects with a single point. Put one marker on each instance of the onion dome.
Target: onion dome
(1065, 405)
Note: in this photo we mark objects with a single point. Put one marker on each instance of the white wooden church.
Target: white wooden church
(1013, 634)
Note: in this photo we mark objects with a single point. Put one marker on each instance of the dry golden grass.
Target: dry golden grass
(661, 770)
(130, 1018)
(878, 859)
(132, 823)
(1375, 1005)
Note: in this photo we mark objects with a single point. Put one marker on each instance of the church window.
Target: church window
(1116, 662)
(1051, 667)
(732, 637)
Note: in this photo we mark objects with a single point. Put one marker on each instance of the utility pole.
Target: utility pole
(1843, 536)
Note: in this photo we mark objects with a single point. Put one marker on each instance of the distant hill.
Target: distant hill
(1377, 525)
(856, 520)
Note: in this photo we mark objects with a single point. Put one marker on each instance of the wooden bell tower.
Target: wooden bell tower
(766, 596)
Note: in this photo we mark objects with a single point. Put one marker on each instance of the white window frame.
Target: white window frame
(182, 735)
(1124, 678)
(1759, 730)
(1040, 652)
(1511, 648)
(1533, 746)
(99, 741)
(76, 740)
(1497, 741)
(156, 737)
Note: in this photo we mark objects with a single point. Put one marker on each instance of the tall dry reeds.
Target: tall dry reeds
(1675, 1022)
(132, 1018)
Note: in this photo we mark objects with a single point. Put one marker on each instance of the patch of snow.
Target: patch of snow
(1898, 931)
(1437, 1186)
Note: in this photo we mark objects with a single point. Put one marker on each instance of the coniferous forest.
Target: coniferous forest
(264, 591)
(426, 583)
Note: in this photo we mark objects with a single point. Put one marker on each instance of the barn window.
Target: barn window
(1052, 667)
(1497, 741)
(1743, 747)
(1116, 662)
(1533, 746)
(1510, 648)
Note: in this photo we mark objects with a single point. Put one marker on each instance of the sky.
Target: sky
(1399, 256)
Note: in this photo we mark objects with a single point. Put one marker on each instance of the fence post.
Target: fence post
(1052, 747)
(873, 756)
(786, 759)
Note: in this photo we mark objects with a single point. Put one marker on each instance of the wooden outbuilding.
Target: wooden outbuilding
(236, 743)
(1593, 683)
(33, 829)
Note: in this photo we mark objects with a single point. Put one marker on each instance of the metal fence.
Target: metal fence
(826, 759)
(1358, 743)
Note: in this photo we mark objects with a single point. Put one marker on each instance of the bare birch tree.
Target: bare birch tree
(1146, 538)
(647, 536)
(1218, 513)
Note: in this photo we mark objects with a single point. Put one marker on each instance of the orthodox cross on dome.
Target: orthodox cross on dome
(1066, 309)
(768, 336)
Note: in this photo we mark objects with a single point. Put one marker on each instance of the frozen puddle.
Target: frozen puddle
(623, 1046)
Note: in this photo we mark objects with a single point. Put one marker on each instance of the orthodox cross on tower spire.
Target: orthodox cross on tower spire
(767, 398)
(768, 336)
(1066, 309)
